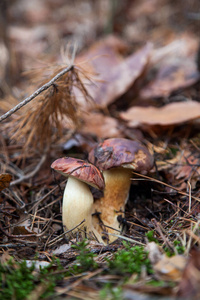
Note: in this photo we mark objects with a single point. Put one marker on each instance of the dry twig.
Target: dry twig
(31, 174)
(36, 93)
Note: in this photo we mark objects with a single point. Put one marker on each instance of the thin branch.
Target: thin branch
(37, 202)
(15, 197)
(168, 185)
(126, 238)
(73, 285)
(31, 174)
(36, 93)
(164, 237)
(63, 234)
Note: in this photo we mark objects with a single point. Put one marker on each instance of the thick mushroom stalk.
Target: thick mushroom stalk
(112, 204)
(74, 210)
(116, 158)
(78, 199)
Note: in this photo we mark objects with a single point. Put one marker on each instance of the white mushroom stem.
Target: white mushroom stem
(117, 186)
(77, 206)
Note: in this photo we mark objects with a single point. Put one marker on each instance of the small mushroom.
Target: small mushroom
(77, 198)
(117, 157)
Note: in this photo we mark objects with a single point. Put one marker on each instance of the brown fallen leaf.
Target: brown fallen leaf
(101, 126)
(169, 79)
(175, 66)
(189, 286)
(114, 76)
(23, 228)
(187, 168)
(170, 268)
(5, 180)
(166, 268)
(119, 79)
(170, 114)
(103, 54)
(155, 252)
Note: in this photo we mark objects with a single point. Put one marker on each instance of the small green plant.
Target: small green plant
(18, 280)
(168, 251)
(156, 283)
(161, 283)
(49, 278)
(85, 259)
(179, 248)
(130, 260)
(174, 151)
(150, 237)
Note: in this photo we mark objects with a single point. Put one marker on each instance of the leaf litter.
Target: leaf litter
(140, 82)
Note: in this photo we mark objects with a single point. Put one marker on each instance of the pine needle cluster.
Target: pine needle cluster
(53, 113)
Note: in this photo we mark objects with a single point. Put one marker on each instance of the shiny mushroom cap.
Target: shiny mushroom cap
(120, 152)
(81, 170)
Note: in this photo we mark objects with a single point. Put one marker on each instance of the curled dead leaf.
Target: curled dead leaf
(5, 180)
(170, 268)
(155, 253)
(104, 54)
(120, 78)
(170, 114)
(175, 67)
(190, 282)
(166, 268)
(101, 126)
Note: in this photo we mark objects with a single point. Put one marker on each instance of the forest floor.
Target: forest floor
(85, 71)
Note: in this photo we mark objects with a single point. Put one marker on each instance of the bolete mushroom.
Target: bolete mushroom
(77, 198)
(117, 157)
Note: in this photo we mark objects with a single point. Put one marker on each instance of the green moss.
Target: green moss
(85, 259)
(18, 280)
(130, 260)
(150, 237)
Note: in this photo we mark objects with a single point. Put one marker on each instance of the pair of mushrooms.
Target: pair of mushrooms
(109, 169)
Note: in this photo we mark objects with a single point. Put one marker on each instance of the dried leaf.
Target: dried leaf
(120, 78)
(61, 249)
(175, 67)
(101, 126)
(5, 180)
(169, 79)
(189, 286)
(170, 114)
(22, 230)
(170, 268)
(154, 252)
(23, 226)
(103, 55)
(187, 167)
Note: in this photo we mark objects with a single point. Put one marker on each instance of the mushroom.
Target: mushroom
(117, 157)
(77, 198)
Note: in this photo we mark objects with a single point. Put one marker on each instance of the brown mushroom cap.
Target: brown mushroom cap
(120, 152)
(78, 168)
